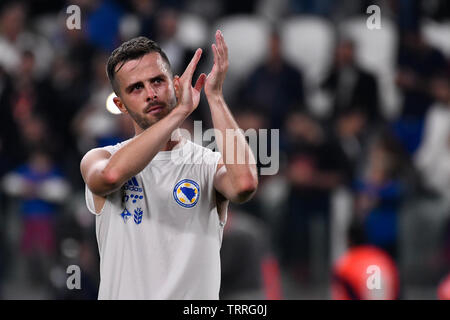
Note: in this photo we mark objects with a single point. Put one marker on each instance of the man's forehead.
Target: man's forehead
(149, 65)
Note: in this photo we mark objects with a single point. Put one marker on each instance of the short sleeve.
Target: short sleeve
(90, 202)
(216, 156)
(89, 196)
(211, 159)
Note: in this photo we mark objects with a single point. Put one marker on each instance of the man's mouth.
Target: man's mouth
(154, 109)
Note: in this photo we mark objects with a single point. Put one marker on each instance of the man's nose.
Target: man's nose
(151, 92)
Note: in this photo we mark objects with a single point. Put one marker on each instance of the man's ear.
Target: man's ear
(120, 105)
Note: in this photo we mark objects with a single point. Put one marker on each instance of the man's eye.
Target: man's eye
(138, 86)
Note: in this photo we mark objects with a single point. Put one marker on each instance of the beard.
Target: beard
(145, 120)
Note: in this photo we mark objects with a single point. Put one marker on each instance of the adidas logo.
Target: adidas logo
(133, 185)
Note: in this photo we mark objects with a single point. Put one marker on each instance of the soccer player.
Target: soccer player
(161, 200)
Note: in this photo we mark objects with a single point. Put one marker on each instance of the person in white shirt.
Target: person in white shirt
(160, 200)
(432, 158)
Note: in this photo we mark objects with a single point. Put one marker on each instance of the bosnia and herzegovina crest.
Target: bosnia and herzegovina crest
(186, 193)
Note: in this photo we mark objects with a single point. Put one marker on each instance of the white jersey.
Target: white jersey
(159, 236)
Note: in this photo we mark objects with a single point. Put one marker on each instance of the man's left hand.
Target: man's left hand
(215, 79)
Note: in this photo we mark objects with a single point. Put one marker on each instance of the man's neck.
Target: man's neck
(170, 145)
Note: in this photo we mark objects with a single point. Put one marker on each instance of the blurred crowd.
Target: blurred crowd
(364, 139)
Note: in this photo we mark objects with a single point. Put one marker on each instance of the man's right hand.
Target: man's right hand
(188, 97)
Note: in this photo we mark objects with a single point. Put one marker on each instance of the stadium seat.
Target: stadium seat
(308, 44)
(129, 27)
(247, 39)
(192, 31)
(437, 35)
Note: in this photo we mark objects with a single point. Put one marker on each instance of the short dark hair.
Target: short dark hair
(130, 50)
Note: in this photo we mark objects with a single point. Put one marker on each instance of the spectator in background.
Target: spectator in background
(74, 44)
(350, 133)
(433, 156)
(12, 20)
(102, 26)
(15, 39)
(31, 97)
(275, 86)
(64, 91)
(94, 125)
(355, 112)
(9, 154)
(178, 54)
(28, 92)
(316, 166)
(167, 26)
(146, 13)
(21, 105)
(418, 65)
(379, 193)
(25, 91)
(353, 90)
(39, 187)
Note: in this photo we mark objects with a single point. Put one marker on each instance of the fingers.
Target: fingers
(200, 82)
(221, 45)
(216, 53)
(190, 69)
(220, 51)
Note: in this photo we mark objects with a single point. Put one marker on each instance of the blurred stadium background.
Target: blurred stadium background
(364, 119)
